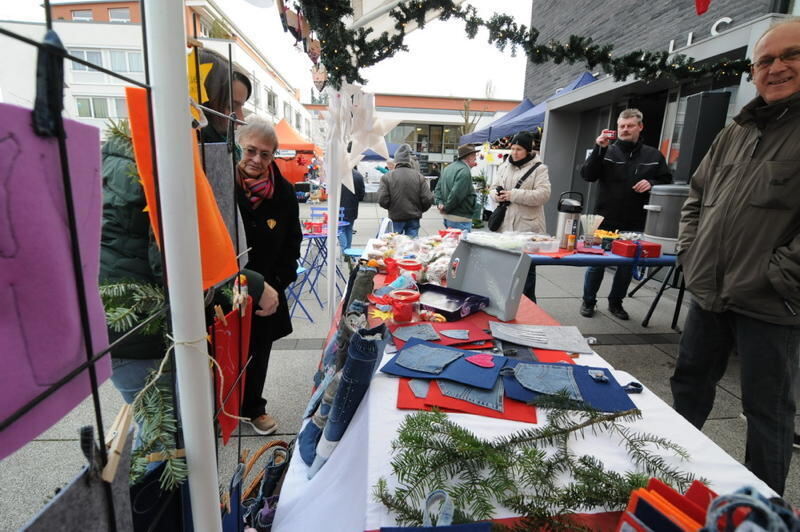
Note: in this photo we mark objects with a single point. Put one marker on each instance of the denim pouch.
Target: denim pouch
(424, 331)
(549, 379)
(492, 399)
(427, 358)
(459, 370)
(602, 396)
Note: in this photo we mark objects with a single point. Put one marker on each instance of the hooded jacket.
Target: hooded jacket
(618, 168)
(403, 191)
(526, 211)
(739, 240)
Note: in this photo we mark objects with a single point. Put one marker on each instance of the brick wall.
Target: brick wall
(628, 25)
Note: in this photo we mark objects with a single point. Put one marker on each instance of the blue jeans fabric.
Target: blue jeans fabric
(129, 376)
(419, 387)
(768, 355)
(427, 358)
(548, 379)
(424, 331)
(619, 287)
(486, 398)
(602, 396)
(309, 437)
(464, 226)
(406, 227)
(458, 371)
(346, 236)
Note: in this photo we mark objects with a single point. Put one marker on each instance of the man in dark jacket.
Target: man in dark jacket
(349, 204)
(405, 193)
(625, 171)
(739, 246)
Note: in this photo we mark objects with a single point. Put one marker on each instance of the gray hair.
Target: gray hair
(631, 113)
(780, 23)
(257, 127)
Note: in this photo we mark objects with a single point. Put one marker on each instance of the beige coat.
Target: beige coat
(526, 212)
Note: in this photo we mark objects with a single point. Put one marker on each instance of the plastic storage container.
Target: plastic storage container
(628, 248)
(451, 303)
(405, 304)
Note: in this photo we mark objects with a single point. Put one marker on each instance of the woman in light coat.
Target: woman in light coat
(525, 212)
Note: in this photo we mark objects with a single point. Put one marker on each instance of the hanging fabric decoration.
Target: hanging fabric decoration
(314, 50)
(701, 6)
(282, 12)
(216, 249)
(41, 335)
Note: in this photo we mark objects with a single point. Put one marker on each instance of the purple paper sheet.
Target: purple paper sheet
(41, 338)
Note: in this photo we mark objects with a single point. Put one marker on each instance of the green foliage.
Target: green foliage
(346, 51)
(153, 410)
(533, 472)
(129, 303)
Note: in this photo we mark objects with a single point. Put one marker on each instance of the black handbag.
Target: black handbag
(499, 214)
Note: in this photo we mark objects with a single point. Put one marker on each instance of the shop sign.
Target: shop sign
(716, 28)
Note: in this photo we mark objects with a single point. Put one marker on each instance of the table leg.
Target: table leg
(658, 296)
(643, 281)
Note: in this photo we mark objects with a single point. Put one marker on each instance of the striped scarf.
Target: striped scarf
(257, 189)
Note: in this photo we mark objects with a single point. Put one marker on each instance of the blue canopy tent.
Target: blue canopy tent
(534, 117)
(370, 155)
(482, 135)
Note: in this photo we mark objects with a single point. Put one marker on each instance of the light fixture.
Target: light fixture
(419, 129)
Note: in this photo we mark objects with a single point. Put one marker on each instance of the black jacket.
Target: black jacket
(274, 236)
(350, 200)
(618, 168)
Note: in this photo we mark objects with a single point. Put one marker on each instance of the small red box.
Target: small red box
(627, 248)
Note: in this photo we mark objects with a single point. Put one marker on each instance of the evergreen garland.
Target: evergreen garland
(346, 51)
(128, 303)
(524, 471)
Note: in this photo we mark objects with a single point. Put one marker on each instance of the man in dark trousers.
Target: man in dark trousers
(349, 203)
(739, 246)
(625, 171)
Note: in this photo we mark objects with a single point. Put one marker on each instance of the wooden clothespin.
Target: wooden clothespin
(160, 456)
(220, 315)
(115, 444)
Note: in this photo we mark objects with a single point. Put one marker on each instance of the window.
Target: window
(298, 121)
(256, 92)
(308, 128)
(126, 61)
(119, 14)
(272, 102)
(82, 15)
(101, 107)
(287, 112)
(93, 56)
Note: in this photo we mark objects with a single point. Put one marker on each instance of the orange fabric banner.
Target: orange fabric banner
(216, 249)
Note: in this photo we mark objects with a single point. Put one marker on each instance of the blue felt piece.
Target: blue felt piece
(602, 396)
(457, 371)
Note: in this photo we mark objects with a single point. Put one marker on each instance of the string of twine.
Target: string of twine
(193, 345)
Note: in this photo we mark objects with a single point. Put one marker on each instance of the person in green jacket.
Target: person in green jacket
(454, 195)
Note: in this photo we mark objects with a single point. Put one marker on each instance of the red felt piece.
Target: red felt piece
(557, 254)
(513, 410)
(228, 341)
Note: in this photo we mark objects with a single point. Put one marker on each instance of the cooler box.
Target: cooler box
(627, 248)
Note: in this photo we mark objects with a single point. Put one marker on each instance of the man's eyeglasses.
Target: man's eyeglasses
(789, 56)
(264, 155)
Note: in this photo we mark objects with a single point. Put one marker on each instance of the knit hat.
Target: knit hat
(402, 154)
(529, 140)
(466, 149)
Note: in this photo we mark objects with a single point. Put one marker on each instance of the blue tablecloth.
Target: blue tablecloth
(607, 259)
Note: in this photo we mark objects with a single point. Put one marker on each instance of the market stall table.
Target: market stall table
(673, 278)
(340, 495)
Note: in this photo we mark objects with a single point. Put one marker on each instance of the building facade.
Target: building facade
(109, 34)
(573, 120)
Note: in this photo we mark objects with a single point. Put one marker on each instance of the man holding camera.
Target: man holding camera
(625, 171)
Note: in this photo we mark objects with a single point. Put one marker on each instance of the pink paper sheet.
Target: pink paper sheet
(41, 338)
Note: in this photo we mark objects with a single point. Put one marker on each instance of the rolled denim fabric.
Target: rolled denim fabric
(348, 325)
(365, 348)
(309, 437)
(328, 361)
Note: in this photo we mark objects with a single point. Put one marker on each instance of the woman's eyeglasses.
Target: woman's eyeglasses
(263, 155)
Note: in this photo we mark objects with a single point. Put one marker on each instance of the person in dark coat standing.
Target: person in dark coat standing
(405, 193)
(270, 215)
(350, 202)
(625, 171)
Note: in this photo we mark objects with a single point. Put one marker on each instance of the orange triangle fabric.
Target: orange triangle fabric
(216, 249)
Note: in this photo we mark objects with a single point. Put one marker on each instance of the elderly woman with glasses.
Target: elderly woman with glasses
(270, 215)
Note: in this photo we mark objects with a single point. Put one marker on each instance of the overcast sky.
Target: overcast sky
(440, 61)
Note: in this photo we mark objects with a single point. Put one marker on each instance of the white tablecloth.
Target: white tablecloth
(339, 497)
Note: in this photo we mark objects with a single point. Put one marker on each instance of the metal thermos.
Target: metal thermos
(569, 215)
